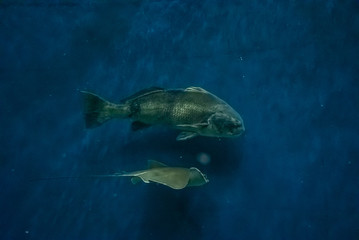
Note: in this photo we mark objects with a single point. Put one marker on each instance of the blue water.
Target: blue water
(290, 68)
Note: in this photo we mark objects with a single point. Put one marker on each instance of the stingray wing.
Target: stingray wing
(176, 178)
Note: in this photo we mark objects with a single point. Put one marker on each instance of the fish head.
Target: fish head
(225, 124)
(196, 177)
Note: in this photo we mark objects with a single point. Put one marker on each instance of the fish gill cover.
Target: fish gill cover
(288, 67)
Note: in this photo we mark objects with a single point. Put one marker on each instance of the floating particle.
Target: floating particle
(203, 158)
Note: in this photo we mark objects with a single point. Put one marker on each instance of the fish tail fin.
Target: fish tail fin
(98, 111)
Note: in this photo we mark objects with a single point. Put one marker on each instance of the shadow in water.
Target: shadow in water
(170, 214)
(225, 154)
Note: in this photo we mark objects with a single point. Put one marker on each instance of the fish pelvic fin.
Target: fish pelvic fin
(98, 111)
(136, 180)
(186, 135)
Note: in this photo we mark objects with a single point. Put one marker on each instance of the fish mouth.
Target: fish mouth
(242, 129)
(237, 130)
(237, 134)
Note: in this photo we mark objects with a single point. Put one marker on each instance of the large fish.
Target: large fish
(173, 177)
(193, 110)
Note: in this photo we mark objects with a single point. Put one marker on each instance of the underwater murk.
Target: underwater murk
(179, 119)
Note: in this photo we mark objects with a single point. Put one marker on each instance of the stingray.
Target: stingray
(157, 172)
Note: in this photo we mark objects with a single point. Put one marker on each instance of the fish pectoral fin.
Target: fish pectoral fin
(193, 126)
(155, 164)
(195, 89)
(186, 135)
(137, 125)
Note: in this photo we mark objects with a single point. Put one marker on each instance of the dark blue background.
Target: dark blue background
(290, 68)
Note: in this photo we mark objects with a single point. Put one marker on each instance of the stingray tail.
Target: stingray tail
(114, 175)
(134, 179)
(98, 111)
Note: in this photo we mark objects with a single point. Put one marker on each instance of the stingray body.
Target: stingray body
(157, 172)
(173, 177)
(193, 110)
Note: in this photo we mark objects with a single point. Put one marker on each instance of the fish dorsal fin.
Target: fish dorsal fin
(155, 164)
(143, 92)
(195, 89)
